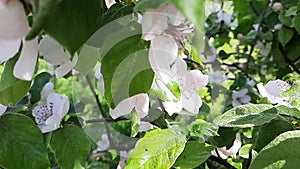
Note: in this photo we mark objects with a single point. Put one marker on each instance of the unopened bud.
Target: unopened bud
(240, 36)
(278, 26)
(277, 6)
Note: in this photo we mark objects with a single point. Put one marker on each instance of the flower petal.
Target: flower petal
(52, 51)
(60, 104)
(13, 20)
(153, 24)
(162, 56)
(123, 108)
(2, 109)
(192, 103)
(9, 48)
(46, 91)
(141, 103)
(194, 81)
(25, 66)
(145, 126)
(172, 107)
(66, 67)
(51, 124)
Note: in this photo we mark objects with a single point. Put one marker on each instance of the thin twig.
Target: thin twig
(102, 120)
(287, 60)
(257, 35)
(100, 108)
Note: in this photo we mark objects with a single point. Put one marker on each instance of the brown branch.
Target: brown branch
(287, 60)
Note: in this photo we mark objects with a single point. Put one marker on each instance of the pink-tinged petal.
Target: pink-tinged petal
(66, 67)
(2, 109)
(194, 81)
(153, 24)
(192, 103)
(52, 51)
(60, 104)
(8, 48)
(174, 16)
(141, 103)
(123, 108)
(51, 124)
(162, 56)
(46, 91)
(181, 67)
(25, 66)
(145, 126)
(13, 20)
(172, 107)
(4, 1)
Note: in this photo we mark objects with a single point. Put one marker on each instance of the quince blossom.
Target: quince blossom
(217, 77)
(140, 102)
(2, 109)
(51, 110)
(272, 91)
(240, 98)
(14, 27)
(226, 18)
(56, 55)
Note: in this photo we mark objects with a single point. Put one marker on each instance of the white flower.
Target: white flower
(217, 77)
(272, 91)
(103, 144)
(232, 151)
(189, 83)
(240, 98)
(140, 102)
(165, 20)
(13, 29)
(227, 18)
(109, 3)
(99, 76)
(2, 109)
(250, 82)
(49, 114)
(55, 54)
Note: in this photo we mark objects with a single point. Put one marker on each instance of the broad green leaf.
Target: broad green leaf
(144, 5)
(287, 21)
(87, 59)
(158, 149)
(125, 66)
(21, 143)
(297, 23)
(202, 130)
(39, 82)
(269, 131)
(117, 11)
(42, 12)
(225, 137)
(244, 150)
(293, 48)
(293, 94)
(284, 110)
(281, 153)
(12, 90)
(291, 11)
(73, 22)
(193, 155)
(247, 116)
(135, 126)
(71, 146)
(285, 35)
(194, 10)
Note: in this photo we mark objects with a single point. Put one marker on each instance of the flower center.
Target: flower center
(42, 113)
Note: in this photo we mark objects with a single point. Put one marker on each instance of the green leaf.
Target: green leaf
(285, 35)
(293, 94)
(12, 90)
(202, 129)
(149, 4)
(73, 22)
(286, 21)
(39, 82)
(193, 155)
(71, 146)
(158, 149)
(283, 152)
(125, 66)
(291, 11)
(244, 151)
(269, 131)
(42, 12)
(247, 116)
(87, 59)
(135, 120)
(21, 143)
(194, 10)
(117, 11)
(297, 23)
(225, 137)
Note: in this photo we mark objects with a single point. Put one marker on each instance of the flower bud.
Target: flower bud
(278, 26)
(240, 36)
(277, 6)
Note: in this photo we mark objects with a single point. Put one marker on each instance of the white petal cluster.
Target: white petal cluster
(14, 27)
(232, 151)
(240, 97)
(51, 109)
